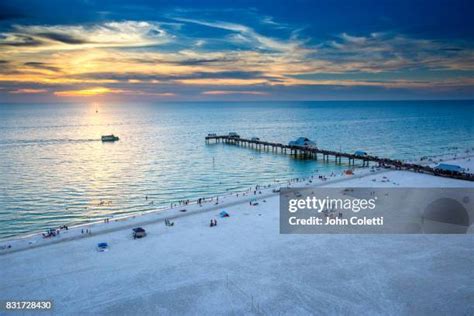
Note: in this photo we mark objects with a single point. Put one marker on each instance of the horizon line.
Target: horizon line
(232, 101)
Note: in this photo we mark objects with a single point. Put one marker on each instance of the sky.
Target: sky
(86, 51)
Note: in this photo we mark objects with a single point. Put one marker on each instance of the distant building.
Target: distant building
(234, 135)
(302, 142)
(360, 153)
(449, 167)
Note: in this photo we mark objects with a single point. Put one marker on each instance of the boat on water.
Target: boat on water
(109, 138)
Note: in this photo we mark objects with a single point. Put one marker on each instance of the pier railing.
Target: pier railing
(313, 152)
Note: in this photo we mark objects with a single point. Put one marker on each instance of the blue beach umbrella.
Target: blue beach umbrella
(102, 246)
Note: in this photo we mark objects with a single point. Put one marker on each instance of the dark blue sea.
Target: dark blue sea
(55, 170)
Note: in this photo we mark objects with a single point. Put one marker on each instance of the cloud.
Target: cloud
(387, 51)
(227, 92)
(388, 84)
(155, 58)
(100, 91)
(222, 82)
(40, 65)
(132, 77)
(65, 37)
(153, 94)
(86, 92)
(62, 37)
(28, 91)
(249, 35)
(19, 40)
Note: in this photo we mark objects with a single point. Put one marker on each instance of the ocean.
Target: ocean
(54, 169)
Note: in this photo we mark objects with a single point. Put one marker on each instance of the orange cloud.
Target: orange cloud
(86, 92)
(98, 91)
(30, 78)
(99, 55)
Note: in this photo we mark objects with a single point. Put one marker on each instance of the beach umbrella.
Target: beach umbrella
(102, 246)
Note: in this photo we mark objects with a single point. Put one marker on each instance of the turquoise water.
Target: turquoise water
(54, 170)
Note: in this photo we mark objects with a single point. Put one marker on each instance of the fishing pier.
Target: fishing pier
(313, 152)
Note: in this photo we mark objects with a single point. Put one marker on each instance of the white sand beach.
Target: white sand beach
(244, 265)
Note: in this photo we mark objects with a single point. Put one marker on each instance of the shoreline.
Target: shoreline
(36, 240)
